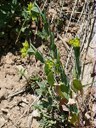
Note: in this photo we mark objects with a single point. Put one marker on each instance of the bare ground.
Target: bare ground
(15, 107)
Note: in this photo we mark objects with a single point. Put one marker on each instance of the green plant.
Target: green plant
(16, 20)
(57, 107)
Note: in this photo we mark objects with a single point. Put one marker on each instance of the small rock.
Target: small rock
(87, 116)
(35, 113)
(9, 58)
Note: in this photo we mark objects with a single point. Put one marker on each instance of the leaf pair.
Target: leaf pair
(33, 51)
(49, 70)
(77, 86)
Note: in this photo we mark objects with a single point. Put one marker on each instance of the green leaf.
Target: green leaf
(64, 78)
(23, 29)
(77, 61)
(34, 16)
(35, 9)
(64, 88)
(50, 78)
(53, 46)
(65, 95)
(39, 56)
(43, 34)
(77, 85)
(48, 66)
(32, 50)
(62, 91)
(42, 84)
(73, 108)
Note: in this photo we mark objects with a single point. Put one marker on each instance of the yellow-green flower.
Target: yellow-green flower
(24, 49)
(30, 6)
(26, 44)
(50, 63)
(75, 42)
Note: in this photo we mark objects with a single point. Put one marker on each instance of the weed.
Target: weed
(57, 107)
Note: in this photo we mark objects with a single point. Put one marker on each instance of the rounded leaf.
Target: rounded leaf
(77, 85)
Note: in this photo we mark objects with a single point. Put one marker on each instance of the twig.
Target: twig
(76, 1)
(17, 93)
(44, 5)
(68, 59)
(20, 31)
(65, 44)
(71, 49)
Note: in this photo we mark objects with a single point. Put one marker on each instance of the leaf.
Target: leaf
(43, 34)
(64, 88)
(39, 56)
(14, 1)
(77, 85)
(42, 84)
(42, 87)
(32, 50)
(23, 29)
(53, 46)
(48, 66)
(61, 91)
(73, 108)
(35, 9)
(65, 95)
(58, 90)
(77, 61)
(39, 92)
(50, 78)
(22, 70)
